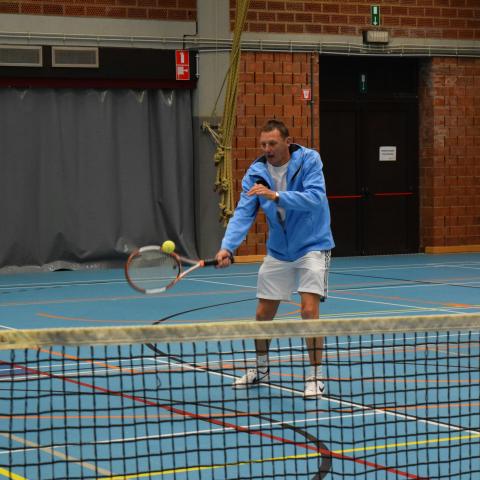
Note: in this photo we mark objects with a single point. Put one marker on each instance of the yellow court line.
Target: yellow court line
(410, 444)
(12, 476)
(209, 467)
(53, 452)
(293, 457)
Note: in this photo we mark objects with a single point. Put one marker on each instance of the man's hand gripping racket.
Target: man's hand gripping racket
(150, 270)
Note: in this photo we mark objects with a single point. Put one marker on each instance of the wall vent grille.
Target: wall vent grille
(20, 56)
(75, 57)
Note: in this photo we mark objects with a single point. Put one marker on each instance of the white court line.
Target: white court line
(201, 280)
(361, 300)
(372, 410)
(418, 266)
(465, 267)
(80, 373)
(92, 371)
(78, 283)
(257, 426)
(113, 281)
(49, 449)
(367, 287)
(405, 284)
(365, 411)
(402, 305)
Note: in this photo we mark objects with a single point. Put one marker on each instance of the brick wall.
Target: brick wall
(450, 152)
(449, 137)
(271, 86)
(130, 9)
(448, 19)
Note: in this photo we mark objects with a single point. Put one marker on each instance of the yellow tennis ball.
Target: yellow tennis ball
(168, 246)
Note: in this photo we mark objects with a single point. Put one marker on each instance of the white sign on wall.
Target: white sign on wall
(387, 154)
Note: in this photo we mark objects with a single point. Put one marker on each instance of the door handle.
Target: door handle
(365, 192)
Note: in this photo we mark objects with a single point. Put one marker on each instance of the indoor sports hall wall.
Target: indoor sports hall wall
(156, 10)
(449, 150)
(271, 87)
(449, 96)
(88, 174)
(441, 19)
(435, 19)
(450, 154)
(283, 46)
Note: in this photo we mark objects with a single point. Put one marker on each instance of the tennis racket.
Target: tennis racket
(150, 270)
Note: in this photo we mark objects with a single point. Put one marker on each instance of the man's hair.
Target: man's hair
(276, 125)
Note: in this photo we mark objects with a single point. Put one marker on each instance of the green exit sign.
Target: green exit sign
(375, 11)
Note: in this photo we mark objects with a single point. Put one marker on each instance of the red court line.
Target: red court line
(379, 194)
(212, 420)
(393, 194)
(335, 197)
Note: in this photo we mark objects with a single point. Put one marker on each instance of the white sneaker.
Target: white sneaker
(251, 378)
(314, 388)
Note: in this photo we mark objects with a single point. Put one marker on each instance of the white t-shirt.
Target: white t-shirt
(279, 175)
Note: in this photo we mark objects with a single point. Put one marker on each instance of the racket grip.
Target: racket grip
(212, 262)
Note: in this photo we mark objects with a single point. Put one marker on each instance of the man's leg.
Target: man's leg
(311, 311)
(314, 386)
(266, 310)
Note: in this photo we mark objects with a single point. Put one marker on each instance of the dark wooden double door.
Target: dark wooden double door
(369, 147)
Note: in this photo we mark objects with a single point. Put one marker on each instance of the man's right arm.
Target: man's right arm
(238, 226)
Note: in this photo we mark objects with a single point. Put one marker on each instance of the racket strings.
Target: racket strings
(153, 269)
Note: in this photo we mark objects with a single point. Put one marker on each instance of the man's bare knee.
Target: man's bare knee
(266, 309)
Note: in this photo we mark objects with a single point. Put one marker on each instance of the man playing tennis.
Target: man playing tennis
(287, 182)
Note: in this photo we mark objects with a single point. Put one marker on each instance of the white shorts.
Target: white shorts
(277, 279)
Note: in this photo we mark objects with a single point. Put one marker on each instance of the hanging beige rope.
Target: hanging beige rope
(223, 137)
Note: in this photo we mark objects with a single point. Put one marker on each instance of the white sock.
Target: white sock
(262, 363)
(316, 371)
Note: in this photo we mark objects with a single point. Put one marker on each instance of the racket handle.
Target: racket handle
(212, 262)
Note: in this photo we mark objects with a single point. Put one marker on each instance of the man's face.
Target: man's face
(275, 148)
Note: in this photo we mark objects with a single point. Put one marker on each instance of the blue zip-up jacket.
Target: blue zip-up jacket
(307, 222)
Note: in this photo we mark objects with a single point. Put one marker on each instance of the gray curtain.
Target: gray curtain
(86, 175)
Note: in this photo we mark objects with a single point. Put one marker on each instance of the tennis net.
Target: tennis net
(401, 401)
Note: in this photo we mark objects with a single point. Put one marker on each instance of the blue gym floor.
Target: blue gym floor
(401, 285)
